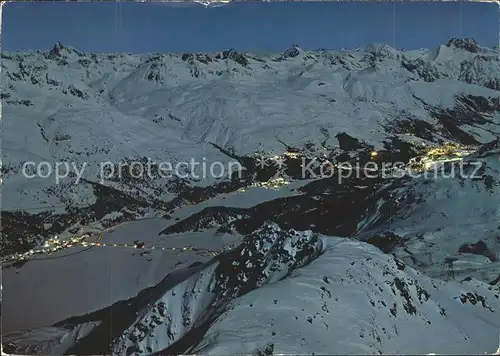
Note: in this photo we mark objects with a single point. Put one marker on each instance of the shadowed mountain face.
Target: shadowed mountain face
(356, 188)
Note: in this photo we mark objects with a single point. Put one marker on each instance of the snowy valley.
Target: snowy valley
(285, 251)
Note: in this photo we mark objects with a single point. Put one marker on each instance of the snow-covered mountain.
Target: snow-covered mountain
(279, 253)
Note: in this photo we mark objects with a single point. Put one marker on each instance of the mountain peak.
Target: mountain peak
(61, 50)
(292, 51)
(234, 55)
(468, 44)
(56, 50)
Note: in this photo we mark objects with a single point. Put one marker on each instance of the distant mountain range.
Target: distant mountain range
(289, 254)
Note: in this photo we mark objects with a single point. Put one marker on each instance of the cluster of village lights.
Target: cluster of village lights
(55, 244)
(448, 151)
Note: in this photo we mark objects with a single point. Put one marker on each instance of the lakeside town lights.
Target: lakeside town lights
(54, 245)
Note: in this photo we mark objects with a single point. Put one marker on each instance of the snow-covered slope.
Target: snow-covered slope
(355, 300)
(289, 292)
(380, 261)
(447, 222)
(49, 340)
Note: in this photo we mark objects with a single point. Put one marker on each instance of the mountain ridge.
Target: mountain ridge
(282, 126)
